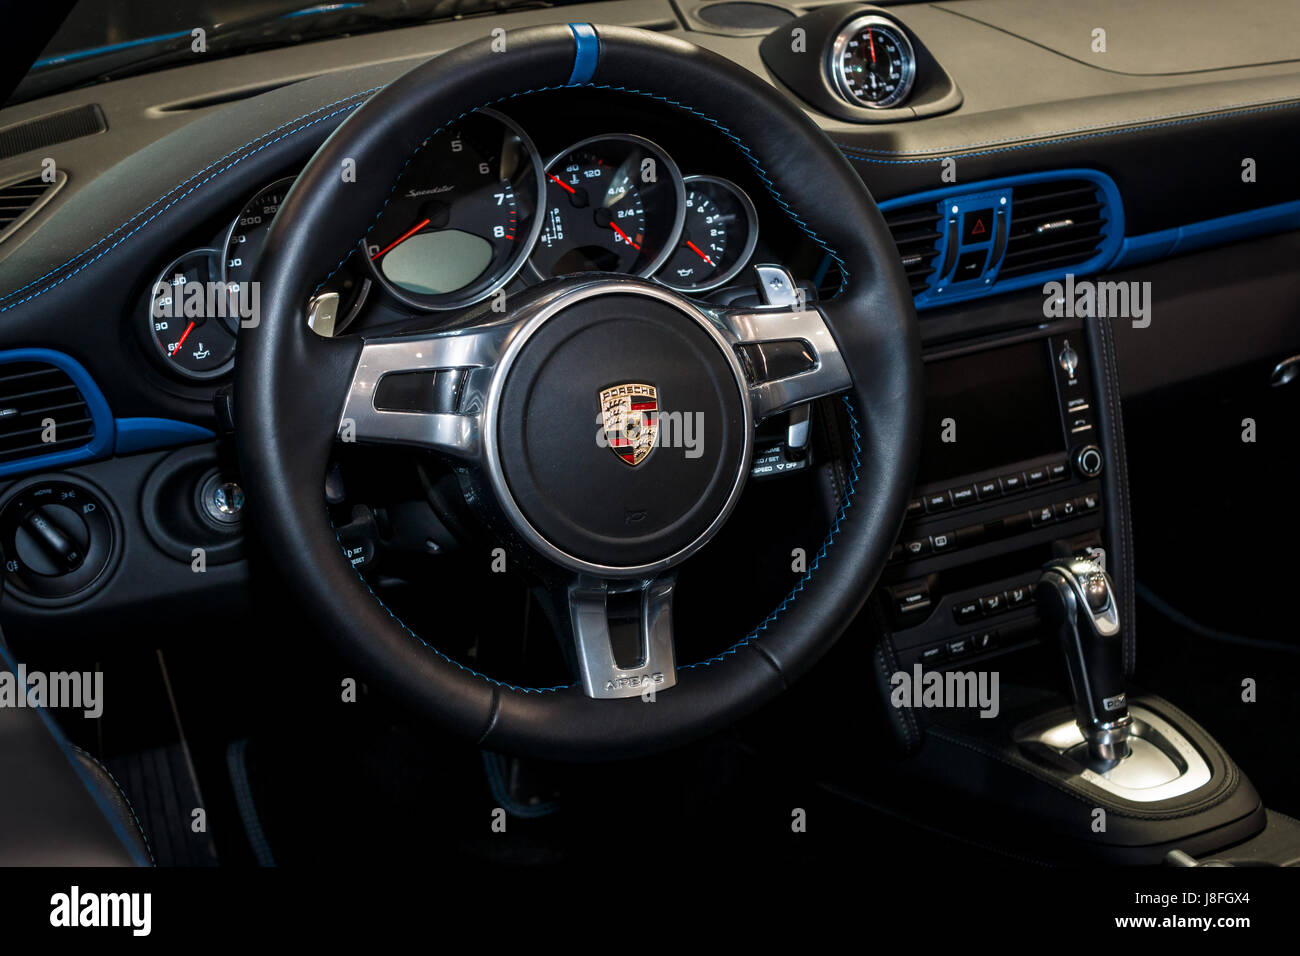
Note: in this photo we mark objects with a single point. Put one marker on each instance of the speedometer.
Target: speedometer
(613, 204)
(462, 217)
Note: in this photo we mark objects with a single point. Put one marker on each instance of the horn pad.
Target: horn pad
(624, 496)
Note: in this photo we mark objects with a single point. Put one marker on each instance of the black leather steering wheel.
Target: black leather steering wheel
(520, 427)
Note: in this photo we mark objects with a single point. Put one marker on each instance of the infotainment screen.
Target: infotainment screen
(997, 406)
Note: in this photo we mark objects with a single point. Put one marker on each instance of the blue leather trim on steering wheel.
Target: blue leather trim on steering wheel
(585, 55)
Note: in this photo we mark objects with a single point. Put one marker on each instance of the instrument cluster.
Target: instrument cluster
(477, 208)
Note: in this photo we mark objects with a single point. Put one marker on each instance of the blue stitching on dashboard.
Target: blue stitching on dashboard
(817, 559)
(749, 156)
(178, 198)
(938, 157)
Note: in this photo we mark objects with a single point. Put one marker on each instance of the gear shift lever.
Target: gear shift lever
(1075, 597)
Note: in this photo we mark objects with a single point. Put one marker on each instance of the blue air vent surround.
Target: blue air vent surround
(953, 203)
(109, 435)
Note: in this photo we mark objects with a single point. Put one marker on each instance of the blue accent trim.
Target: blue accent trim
(102, 442)
(74, 55)
(91, 786)
(989, 193)
(501, 793)
(143, 434)
(585, 54)
(1208, 232)
(94, 51)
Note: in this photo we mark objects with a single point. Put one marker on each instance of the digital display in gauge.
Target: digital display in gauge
(613, 204)
(462, 217)
(872, 63)
(191, 330)
(717, 238)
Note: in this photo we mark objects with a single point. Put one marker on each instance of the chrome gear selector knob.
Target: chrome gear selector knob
(1076, 598)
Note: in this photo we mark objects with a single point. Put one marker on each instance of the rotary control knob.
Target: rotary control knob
(57, 538)
(1088, 461)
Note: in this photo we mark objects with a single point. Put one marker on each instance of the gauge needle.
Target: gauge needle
(181, 341)
(696, 249)
(626, 237)
(561, 183)
(871, 43)
(402, 238)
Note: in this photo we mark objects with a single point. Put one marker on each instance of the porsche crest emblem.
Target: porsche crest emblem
(630, 414)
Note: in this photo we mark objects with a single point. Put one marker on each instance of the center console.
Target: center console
(1010, 477)
(1014, 562)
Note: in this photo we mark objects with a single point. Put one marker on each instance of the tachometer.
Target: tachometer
(462, 216)
(613, 204)
(717, 239)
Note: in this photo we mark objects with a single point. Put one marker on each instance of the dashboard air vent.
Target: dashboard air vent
(1054, 225)
(32, 394)
(916, 233)
(20, 199)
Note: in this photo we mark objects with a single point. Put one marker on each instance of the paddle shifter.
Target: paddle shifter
(1075, 596)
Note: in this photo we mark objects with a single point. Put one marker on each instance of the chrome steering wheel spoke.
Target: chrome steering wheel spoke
(641, 664)
(422, 390)
(786, 346)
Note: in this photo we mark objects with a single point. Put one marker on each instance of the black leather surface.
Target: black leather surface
(52, 811)
(289, 390)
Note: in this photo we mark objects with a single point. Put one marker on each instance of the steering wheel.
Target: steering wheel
(520, 424)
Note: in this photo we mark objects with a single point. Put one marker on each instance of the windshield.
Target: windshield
(102, 40)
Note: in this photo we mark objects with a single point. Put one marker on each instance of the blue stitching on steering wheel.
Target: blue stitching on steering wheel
(853, 421)
(747, 639)
(817, 559)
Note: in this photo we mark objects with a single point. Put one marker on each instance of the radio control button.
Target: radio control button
(1058, 471)
(964, 495)
(1012, 483)
(937, 501)
(989, 489)
(1088, 461)
(915, 507)
(1035, 476)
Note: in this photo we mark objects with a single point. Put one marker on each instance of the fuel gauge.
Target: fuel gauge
(718, 237)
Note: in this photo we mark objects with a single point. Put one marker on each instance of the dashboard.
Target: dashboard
(1002, 157)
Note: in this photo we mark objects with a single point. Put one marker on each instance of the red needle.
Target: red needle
(184, 335)
(402, 238)
(626, 237)
(872, 43)
(562, 183)
(696, 250)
